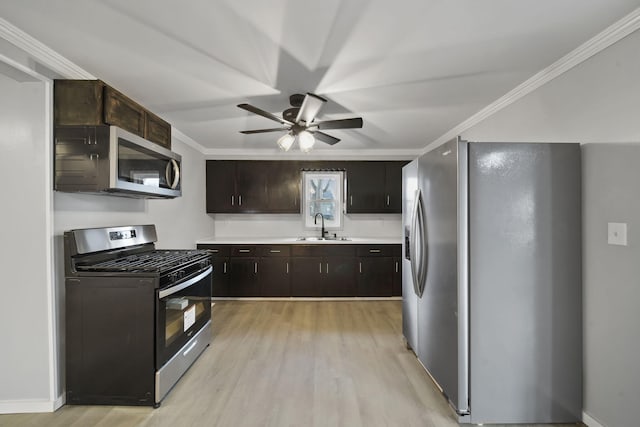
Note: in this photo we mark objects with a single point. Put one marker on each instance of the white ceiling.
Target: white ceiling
(412, 69)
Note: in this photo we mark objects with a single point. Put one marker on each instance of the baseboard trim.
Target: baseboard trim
(590, 421)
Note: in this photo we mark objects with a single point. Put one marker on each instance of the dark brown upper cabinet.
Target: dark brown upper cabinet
(253, 186)
(93, 102)
(374, 186)
(259, 186)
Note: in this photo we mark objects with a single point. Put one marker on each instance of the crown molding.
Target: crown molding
(181, 137)
(42, 53)
(276, 154)
(601, 41)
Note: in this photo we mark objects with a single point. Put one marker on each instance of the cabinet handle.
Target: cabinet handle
(320, 265)
(244, 251)
(255, 267)
(240, 200)
(396, 266)
(374, 251)
(275, 251)
(360, 267)
(351, 200)
(212, 251)
(232, 200)
(387, 200)
(287, 268)
(327, 268)
(224, 267)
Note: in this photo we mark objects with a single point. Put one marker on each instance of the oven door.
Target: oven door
(183, 309)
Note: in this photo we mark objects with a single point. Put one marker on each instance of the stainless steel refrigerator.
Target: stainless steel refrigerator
(492, 278)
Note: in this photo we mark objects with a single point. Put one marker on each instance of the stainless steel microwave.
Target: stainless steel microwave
(110, 160)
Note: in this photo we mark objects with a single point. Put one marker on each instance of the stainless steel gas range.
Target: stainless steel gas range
(136, 317)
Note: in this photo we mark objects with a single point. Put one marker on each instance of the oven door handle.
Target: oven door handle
(177, 288)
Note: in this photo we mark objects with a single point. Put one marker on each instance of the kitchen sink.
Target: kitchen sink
(322, 239)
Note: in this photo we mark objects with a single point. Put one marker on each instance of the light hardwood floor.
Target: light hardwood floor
(287, 363)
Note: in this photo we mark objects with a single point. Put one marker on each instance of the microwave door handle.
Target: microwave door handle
(172, 166)
(177, 288)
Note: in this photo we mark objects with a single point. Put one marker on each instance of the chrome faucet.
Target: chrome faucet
(315, 218)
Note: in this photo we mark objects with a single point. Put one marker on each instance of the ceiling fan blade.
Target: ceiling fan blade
(325, 138)
(248, 132)
(310, 107)
(353, 123)
(263, 113)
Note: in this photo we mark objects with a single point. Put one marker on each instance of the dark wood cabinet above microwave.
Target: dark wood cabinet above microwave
(93, 102)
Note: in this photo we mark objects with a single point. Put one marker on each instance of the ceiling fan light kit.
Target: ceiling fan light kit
(306, 141)
(286, 141)
(299, 122)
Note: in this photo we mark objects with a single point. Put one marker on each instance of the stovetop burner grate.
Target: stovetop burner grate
(153, 261)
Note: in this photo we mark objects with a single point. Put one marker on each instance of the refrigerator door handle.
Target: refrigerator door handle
(417, 244)
(412, 244)
(424, 247)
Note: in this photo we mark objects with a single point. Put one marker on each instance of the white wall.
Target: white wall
(290, 225)
(26, 353)
(597, 101)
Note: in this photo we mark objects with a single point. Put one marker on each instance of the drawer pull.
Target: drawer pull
(275, 251)
(244, 251)
(213, 251)
(374, 251)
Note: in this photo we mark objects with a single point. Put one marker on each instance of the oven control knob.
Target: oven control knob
(173, 277)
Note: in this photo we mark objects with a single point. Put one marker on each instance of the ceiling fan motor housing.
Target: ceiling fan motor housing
(290, 114)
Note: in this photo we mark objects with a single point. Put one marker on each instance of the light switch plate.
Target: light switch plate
(617, 233)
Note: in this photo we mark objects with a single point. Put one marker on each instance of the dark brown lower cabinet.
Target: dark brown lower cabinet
(340, 270)
(219, 255)
(243, 280)
(375, 277)
(378, 270)
(306, 276)
(396, 289)
(274, 271)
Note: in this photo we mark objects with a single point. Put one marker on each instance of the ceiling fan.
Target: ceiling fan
(299, 122)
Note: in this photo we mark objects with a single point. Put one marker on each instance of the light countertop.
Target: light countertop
(297, 241)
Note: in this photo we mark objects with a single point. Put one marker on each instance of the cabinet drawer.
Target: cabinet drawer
(275, 250)
(378, 250)
(324, 250)
(216, 250)
(244, 251)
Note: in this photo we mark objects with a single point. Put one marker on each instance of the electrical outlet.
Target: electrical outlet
(617, 233)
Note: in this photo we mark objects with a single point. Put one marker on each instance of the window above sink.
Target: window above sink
(323, 193)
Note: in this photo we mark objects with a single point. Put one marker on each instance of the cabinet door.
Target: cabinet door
(340, 278)
(78, 102)
(365, 187)
(220, 186)
(275, 277)
(220, 277)
(396, 289)
(123, 112)
(251, 186)
(157, 130)
(375, 276)
(393, 187)
(283, 186)
(306, 276)
(243, 279)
